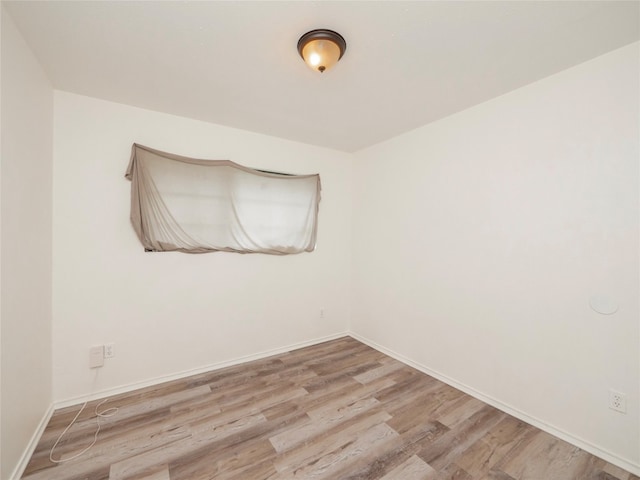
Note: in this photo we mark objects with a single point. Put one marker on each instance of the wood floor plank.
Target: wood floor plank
(453, 472)
(326, 465)
(338, 410)
(320, 423)
(328, 441)
(132, 465)
(378, 461)
(160, 472)
(562, 460)
(460, 410)
(230, 456)
(381, 371)
(499, 440)
(454, 443)
(618, 472)
(412, 469)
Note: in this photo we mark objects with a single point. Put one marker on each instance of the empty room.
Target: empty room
(282, 240)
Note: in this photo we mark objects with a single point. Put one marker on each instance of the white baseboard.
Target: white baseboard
(31, 446)
(187, 373)
(567, 437)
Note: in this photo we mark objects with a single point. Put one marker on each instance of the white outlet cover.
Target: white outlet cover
(109, 350)
(617, 401)
(96, 357)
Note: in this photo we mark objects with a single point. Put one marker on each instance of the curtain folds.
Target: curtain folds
(197, 206)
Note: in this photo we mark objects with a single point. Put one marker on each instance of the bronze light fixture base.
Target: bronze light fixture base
(321, 49)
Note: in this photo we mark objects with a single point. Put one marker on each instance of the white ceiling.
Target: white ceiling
(236, 63)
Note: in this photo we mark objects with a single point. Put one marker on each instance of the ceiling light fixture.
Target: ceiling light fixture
(321, 49)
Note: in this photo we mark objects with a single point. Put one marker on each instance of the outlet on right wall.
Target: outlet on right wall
(480, 240)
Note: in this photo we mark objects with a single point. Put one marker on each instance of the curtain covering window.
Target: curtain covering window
(197, 206)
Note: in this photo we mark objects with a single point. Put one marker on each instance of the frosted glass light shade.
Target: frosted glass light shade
(321, 49)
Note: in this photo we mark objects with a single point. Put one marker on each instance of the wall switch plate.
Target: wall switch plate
(617, 401)
(96, 357)
(109, 350)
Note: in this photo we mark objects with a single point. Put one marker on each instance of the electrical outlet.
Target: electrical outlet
(322, 313)
(109, 350)
(96, 357)
(617, 401)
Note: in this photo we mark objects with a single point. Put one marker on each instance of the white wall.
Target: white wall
(478, 240)
(172, 312)
(25, 253)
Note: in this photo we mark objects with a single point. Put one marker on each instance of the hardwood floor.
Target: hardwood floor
(338, 410)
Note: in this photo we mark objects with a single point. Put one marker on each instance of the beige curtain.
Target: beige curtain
(196, 206)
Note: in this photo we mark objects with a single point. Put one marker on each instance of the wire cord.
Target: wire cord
(109, 412)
